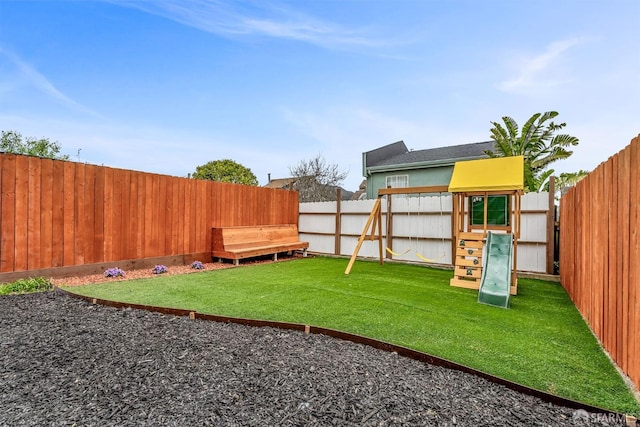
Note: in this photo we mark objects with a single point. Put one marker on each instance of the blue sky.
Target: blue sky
(163, 86)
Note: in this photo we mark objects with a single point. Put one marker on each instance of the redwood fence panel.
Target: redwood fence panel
(64, 214)
(600, 254)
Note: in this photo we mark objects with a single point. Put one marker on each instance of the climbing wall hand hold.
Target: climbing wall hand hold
(470, 251)
(475, 261)
(469, 272)
(461, 243)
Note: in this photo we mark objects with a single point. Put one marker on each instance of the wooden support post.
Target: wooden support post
(338, 228)
(454, 225)
(374, 217)
(380, 250)
(551, 225)
(389, 227)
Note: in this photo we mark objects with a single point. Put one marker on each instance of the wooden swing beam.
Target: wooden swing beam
(413, 190)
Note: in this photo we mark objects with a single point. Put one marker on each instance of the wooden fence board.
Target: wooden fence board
(180, 242)
(98, 214)
(109, 232)
(57, 215)
(119, 223)
(201, 229)
(175, 217)
(46, 213)
(132, 214)
(610, 303)
(88, 215)
(623, 234)
(634, 268)
(79, 207)
(615, 290)
(7, 222)
(598, 252)
(186, 226)
(167, 232)
(128, 245)
(141, 233)
(22, 212)
(193, 195)
(155, 217)
(34, 214)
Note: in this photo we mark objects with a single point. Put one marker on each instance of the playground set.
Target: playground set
(485, 225)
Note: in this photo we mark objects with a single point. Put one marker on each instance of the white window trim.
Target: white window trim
(396, 178)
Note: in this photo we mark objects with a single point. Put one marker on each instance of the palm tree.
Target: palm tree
(537, 142)
(566, 180)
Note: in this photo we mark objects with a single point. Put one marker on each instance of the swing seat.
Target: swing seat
(432, 260)
(398, 254)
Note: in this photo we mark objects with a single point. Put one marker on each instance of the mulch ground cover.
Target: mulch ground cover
(67, 362)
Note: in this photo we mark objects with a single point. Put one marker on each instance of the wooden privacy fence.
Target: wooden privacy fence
(60, 214)
(600, 254)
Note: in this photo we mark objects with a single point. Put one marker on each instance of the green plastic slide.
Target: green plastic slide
(495, 281)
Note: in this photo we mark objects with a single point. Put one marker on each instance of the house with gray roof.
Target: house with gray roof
(395, 165)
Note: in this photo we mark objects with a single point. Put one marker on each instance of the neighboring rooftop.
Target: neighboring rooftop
(284, 183)
(398, 154)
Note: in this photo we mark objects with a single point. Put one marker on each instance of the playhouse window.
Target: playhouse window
(497, 210)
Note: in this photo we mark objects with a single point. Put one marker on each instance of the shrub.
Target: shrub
(114, 272)
(159, 269)
(33, 284)
(197, 265)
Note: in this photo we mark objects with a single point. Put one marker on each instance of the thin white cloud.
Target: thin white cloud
(258, 19)
(532, 73)
(37, 80)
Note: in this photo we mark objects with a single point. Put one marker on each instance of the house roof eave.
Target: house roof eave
(419, 165)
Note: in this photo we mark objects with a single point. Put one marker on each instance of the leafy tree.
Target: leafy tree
(12, 142)
(537, 142)
(316, 180)
(225, 171)
(567, 180)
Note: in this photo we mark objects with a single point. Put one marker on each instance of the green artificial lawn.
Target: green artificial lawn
(541, 341)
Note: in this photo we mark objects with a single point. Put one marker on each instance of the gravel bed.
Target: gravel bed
(67, 362)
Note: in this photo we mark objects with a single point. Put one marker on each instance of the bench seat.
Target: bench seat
(236, 243)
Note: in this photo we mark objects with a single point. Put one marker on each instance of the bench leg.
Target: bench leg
(275, 256)
(304, 253)
(236, 262)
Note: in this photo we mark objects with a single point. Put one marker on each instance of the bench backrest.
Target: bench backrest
(229, 237)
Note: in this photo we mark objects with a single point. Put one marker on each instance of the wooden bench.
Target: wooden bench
(237, 243)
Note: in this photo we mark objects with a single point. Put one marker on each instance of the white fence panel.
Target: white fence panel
(535, 201)
(421, 225)
(532, 258)
(317, 223)
(323, 244)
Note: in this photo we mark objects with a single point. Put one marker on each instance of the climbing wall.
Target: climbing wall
(468, 261)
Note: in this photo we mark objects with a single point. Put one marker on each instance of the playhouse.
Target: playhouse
(486, 223)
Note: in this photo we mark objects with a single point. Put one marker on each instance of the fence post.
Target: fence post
(338, 229)
(389, 226)
(551, 224)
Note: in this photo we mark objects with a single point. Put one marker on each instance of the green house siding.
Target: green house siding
(440, 175)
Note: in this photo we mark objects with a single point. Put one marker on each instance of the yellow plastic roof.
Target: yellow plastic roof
(500, 173)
